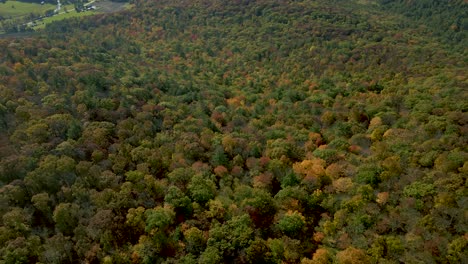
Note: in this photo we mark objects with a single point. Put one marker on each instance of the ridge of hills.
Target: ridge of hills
(244, 131)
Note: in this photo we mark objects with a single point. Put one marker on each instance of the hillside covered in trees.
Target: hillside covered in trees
(244, 131)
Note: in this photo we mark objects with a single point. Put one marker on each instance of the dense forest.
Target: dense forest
(243, 131)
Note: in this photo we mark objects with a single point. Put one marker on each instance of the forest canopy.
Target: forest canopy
(215, 131)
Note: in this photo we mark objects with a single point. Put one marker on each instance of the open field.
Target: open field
(17, 9)
(15, 12)
(70, 14)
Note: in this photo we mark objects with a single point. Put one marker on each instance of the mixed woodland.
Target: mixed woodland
(238, 131)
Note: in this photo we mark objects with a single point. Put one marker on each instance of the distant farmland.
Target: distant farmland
(16, 9)
(18, 16)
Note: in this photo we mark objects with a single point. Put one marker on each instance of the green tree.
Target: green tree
(177, 199)
(66, 217)
(211, 255)
(18, 220)
(42, 202)
(159, 218)
(57, 249)
(291, 223)
(231, 237)
(195, 240)
(261, 208)
(136, 219)
(201, 189)
(52, 173)
(21, 250)
(259, 252)
(457, 252)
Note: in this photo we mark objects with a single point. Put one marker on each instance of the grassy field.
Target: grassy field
(17, 9)
(20, 12)
(70, 14)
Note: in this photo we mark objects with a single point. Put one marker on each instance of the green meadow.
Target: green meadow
(20, 13)
(71, 13)
(17, 9)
